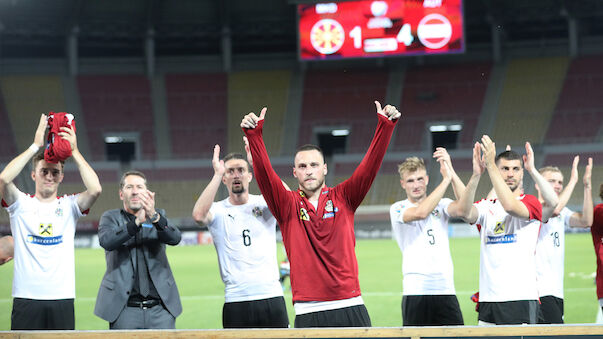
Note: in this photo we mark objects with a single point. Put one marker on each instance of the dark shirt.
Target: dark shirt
(141, 273)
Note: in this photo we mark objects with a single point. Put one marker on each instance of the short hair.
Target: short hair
(601, 191)
(310, 147)
(411, 164)
(553, 169)
(239, 156)
(40, 156)
(509, 155)
(128, 173)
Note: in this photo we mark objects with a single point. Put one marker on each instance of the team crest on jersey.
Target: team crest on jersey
(436, 213)
(45, 230)
(58, 212)
(329, 206)
(303, 214)
(500, 228)
(257, 212)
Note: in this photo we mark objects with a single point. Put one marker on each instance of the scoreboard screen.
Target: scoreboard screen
(357, 29)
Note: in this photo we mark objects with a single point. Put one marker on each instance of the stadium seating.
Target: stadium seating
(25, 98)
(528, 99)
(197, 106)
(342, 98)
(441, 93)
(577, 116)
(8, 148)
(249, 92)
(117, 104)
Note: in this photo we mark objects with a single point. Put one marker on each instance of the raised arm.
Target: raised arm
(356, 187)
(457, 184)
(86, 199)
(201, 212)
(566, 194)
(7, 188)
(269, 182)
(585, 218)
(546, 190)
(250, 160)
(425, 207)
(463, 207)
(503, 193)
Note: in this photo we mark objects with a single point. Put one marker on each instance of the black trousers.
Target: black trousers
(263, 313)
(509, 312)
(32, 314)
(551, 310)
(431, 310)
(353, 316)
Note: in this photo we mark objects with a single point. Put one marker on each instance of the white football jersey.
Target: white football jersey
(507, 252)
(426, 263)
(245, 241)
(43, 233)
(550, 253)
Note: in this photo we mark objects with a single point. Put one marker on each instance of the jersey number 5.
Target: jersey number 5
(431, 236)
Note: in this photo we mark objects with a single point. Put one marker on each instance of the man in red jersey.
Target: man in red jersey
(317, 223)
(597, 232)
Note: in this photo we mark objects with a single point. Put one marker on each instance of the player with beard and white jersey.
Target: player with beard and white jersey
(508, 228)
(550, 250)
(244, 235)
(420, 226)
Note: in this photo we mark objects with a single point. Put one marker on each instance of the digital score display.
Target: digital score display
(357, 29)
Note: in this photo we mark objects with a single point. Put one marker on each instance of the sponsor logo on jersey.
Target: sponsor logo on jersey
(303, 214)
(499, 228)
(330, 214)
(45, 230)
(505, 239)
(257, 211)
(34, 239)
(146, 225)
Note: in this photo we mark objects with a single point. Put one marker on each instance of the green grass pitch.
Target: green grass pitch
(197, 276)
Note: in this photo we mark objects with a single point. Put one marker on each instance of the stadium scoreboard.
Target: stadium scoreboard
(358, 29)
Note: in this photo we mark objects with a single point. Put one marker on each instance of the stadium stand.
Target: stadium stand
(111, 104)
(528, 98)
(441, 93)
(8, 148)
(342, 98)
(577, 116)
(197, 105)
(249, 92)
(25, 98)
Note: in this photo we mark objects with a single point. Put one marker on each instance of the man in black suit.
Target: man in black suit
(138, 290)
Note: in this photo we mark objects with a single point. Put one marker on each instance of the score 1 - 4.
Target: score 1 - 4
(382, 44)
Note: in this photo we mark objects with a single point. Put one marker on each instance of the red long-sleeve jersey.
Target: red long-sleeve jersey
(320, 242)
(596, 231)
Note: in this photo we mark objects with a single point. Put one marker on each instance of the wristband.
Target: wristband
(34, 148)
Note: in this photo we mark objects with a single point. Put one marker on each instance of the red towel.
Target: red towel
(475, 299)
(57, 148)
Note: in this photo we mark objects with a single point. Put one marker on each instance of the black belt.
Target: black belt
(144, 304)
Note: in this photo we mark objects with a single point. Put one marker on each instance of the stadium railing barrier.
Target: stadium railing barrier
(533, 331)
